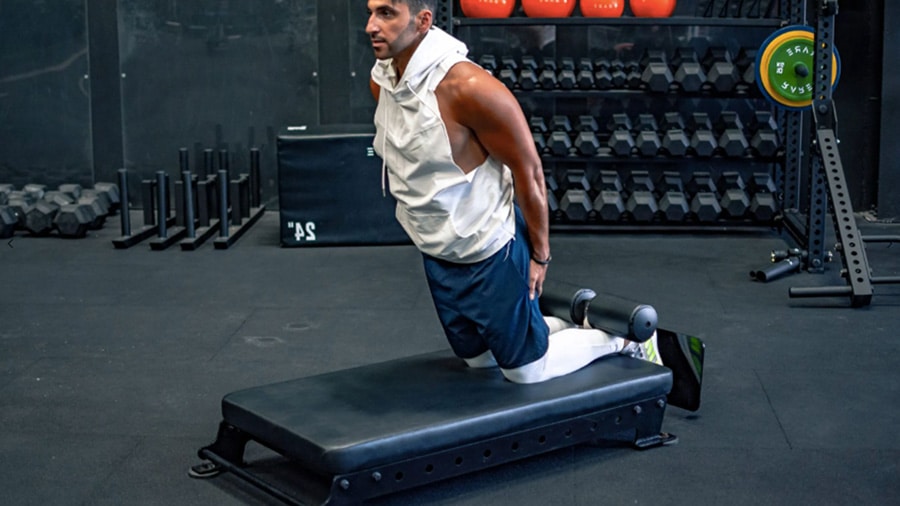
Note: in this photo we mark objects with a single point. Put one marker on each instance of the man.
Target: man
(457, 150)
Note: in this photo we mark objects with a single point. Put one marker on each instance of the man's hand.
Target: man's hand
(536, 275)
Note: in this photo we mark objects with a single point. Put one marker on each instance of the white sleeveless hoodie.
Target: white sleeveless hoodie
(458, 217)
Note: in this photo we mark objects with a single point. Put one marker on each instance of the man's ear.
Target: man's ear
(424, 20)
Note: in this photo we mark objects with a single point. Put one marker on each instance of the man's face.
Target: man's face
(391, 27)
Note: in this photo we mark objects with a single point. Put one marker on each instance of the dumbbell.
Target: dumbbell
(701, 182)
(9, 221)
(732, 140)
(566, 78)
(617, 73)
(552, 186)
(734, 201)
(609, 205)
(577, 180)
(547, 77)
(705, 207)
(585, 77)
(528, 74)
(639, 180)
(610, 181)
(586, 143)
(539, 133)
(619, 121)
(657, 76)
(603, 78)
(675, 141)
(642, 206)
(703, 140)
(634, 79)
(576, 205)
(746, 65)
(39, 217)
(721, 71)
(74, 220)
(765, 141)
(673, 203)
(621, 143)
(488, 62)
(508, 73)
(558, 141)
(689, 73)
(763, 205)
(647, 139)
(5, 190)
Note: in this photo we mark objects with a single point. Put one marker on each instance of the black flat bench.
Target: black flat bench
(380, 428)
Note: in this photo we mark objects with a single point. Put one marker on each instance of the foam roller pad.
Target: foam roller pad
(618, 316)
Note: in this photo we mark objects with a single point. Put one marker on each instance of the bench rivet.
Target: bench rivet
(345, 484)
(638, 410)
(376, 476)
(661, 403)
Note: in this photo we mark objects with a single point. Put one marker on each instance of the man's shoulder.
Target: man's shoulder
(464, 76)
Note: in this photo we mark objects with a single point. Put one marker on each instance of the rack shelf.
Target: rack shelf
(625, 21)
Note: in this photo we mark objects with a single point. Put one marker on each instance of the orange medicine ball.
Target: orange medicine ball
(602, 8)
(652, 8)
(548, 8)
(487, 8)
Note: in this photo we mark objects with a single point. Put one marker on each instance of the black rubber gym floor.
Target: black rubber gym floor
(113, 364)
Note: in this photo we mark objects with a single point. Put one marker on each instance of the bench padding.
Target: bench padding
(354, 419)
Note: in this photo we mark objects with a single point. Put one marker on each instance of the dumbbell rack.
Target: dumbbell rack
(663, 164)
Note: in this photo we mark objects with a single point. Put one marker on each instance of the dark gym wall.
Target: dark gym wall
(45, 117)
(889, 176)
(858, 38)
(215, 74)
(232, 73)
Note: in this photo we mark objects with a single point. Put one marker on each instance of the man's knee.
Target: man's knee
(528, 373)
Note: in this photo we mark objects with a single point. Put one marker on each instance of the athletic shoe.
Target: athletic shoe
(647, 350)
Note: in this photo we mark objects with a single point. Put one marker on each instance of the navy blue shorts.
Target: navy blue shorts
(485, 306)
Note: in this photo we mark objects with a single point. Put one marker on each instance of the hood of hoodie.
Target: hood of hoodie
(433, 49)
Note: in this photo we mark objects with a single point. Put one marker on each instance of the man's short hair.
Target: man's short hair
(417, 6)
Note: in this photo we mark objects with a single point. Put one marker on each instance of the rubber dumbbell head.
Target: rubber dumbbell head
(705, 207)
(609, 205)
(39, 219)
(673, 205)
(9, 222)
(642, 206)
(74, 220)
(734, 203)
(576, 205)
(621, 142)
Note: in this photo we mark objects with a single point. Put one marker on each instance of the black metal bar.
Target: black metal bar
(148, 197)
(204, 201)
(208, 163)
(162, 203)
(881, 238)
(234, 194)
(188, 183)
(126, 209)
(244, 198)
(223, 203)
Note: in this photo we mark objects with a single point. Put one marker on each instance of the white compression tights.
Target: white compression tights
(569, 349)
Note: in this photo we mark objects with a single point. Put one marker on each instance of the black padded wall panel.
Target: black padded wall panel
(329, 186)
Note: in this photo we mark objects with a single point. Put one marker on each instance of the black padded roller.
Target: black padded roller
(618, 316)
